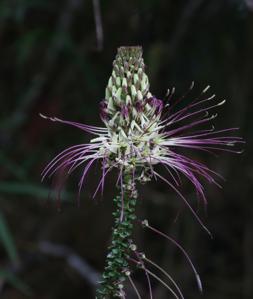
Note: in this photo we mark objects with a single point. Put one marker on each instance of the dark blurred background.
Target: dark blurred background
(55, 58)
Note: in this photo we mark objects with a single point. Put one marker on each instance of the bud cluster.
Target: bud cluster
(130, 112)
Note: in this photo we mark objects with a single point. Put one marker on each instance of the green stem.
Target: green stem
(117, 258)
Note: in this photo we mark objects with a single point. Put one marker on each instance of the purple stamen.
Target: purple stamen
(186, 202)
(81, 182)
(90, 129)
(146, 224)
(140, 262)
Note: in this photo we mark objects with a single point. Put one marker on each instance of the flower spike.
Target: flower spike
(139, 132)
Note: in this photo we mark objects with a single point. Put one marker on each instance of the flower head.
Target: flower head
(141, 131)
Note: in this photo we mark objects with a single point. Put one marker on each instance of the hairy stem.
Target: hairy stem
(117, 258)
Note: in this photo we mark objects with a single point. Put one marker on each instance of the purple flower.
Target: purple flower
(183, 129)
(140, 132)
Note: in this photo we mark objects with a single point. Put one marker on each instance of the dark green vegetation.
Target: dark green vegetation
(54, 61)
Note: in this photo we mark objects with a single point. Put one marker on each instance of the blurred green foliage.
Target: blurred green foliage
(14, 281)
(7, 241)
